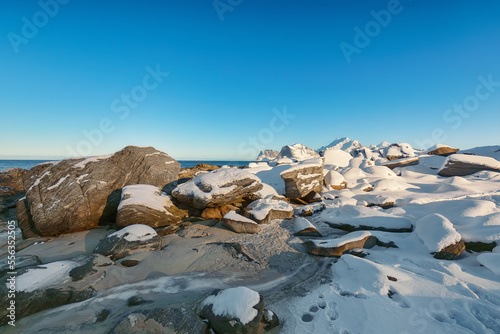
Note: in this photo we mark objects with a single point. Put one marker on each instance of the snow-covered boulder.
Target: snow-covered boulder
(78, 194)
(235, 310)
(336, 247)
(351, 218)
(336, 158)
(464, 164)
(398, 151)
(334, 180)
(146, 204)
(442, 150)
(219, 187)
(282, 161)
(266, 209)
(439, 236)
(342, 143)
(240, 224)
(267, 155)
(129, 240)
(297, 152)
(304, 178)
(303, 228)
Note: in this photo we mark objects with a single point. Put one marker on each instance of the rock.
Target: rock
(439, 236)
(217, 188)
(198, 231)
(267, 155)
(24, 220)
(21, 261)
(129, 240)
(297, 152)
(191, 172)
(404, 162)
(398, 151)
(11, 181)
(283, 161)
(334, 180)
(442, 150)
(270, 320)
(235, 310)
(217, 213)
(78, 194)
(146, 204)
(342, 143)
(463, 164)
(160, 320)
(303, 228)
(336, 247)
(129, 263)
(264, 210)
(240, 224)
(40, 288)
(89, 266)
(480, 246)
(304, 178)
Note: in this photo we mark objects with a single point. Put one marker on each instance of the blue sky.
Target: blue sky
(80, 82)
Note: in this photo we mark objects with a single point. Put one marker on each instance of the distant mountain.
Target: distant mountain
(297, 152)
(342, 143)
(267, 155)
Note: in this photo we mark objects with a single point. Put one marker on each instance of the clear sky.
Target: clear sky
(225, 79)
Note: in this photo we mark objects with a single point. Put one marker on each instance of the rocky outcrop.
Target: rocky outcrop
(24, 220)
(146, 204)
(191, 172)
(442, 150)
(464, 164)
(11, 181)
(398, 151)
(217, 213)
(304, 178)
(439, 236)
(297, 152)
(235, 310)
(404, 162)
(78, 194)
(267, 155)
(240, 224)
(129, 240)
(264, 210)
(336, 247)
(217, 188)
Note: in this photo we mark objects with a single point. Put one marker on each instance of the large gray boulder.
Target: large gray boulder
(465, 164)
(146, 204)
(304, 178)
(217, 188)
(78, 194)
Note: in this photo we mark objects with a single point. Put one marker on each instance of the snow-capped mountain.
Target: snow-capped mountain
(267, 155)
(297, 152)
(341, 143)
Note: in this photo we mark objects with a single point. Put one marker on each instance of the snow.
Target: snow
(58, 183)
(232, 215)
(490, 261)
(267, 191)
(486, 151)
(297, 152)
(86, 161)
(216, 183)
(436, 232)
(237, 303)
(45, 275)
(301, 224)
(145, 195)
(342, 143)
(337, 242)
(267, 155)
(473, 159)
(336, 157)
(314, 162)
(333, 178)
(357, 216)
(136, 232)
(37, 181)
(261, 207)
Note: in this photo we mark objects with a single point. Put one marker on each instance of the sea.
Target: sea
(27, 164)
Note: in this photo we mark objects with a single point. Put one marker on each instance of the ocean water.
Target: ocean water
(27, 164)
